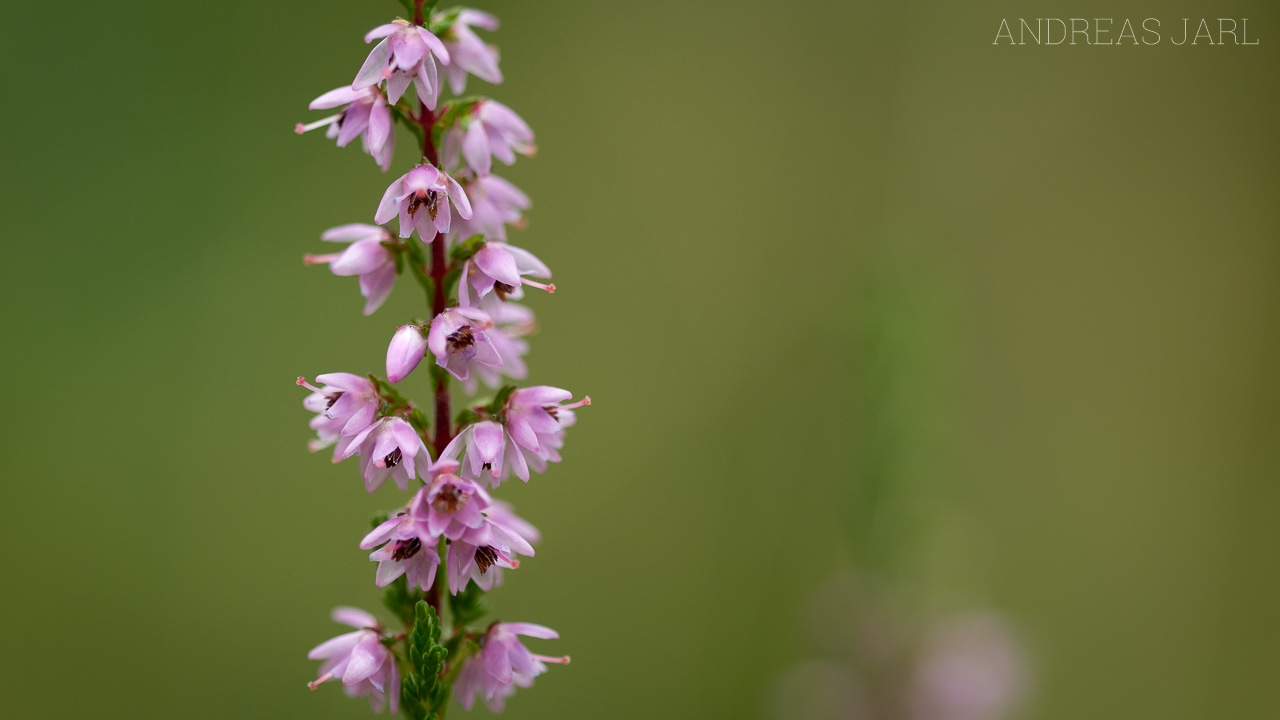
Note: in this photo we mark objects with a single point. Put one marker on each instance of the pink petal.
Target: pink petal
(371, 72)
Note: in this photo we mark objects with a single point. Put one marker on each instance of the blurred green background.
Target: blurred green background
(850, 287)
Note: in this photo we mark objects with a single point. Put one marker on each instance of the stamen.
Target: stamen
(392, 459)
(486, 557)
(547, 659)
(586, 400)
(302, 380)
(320, 680)
(550, 288)
(407, 549)
(450, 499)
(310, 259)
(300, 128)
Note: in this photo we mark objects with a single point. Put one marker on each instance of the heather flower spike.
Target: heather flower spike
(451, 534)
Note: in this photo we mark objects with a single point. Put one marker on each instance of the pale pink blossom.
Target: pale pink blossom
(468, 53)
(533, 424)
(366, 257)
(422, 198)
(360, 660)
(458, 340)
(345, 406)
(488, 130)
(495, 203)
(479, 554)
(388, 448)
(406, 54)
(405, 351)
(450, 506)
(366, 115)
(405, 552)
(501, 269)
(503, 664)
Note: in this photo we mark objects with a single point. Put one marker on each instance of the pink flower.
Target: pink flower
(457, 339)
(388, 448)
(360, 660)
(972, 669)
(345, 406)
(422, 198)
(480, 552)
(405, 55)
(404, 551)
(366, 114)
(366, 257)
(468, 53)
(503, 664)
(500, 268)
(406, 350)
(489, 130)
(495, 204)
(533, 424)
(450, 506)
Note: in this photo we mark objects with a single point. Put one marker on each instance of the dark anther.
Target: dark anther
(407, 549)
(331, 399)
(431, 202)
(486, 557)
(461, 339)
(503, 289)
(393, 458)
(551, 410)
(450, 499)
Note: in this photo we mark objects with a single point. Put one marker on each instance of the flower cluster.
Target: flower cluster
(452, 218)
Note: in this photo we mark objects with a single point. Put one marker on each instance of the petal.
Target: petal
(497, 263)
(376, 287)
(379, 123)
(371, 72)
(475, 148)
(388, 206)
(366, 657)
(353, 232)
(362, 257)
(458, 197)
(433, 43)
(382, 31)
(396, 85)
(530, 630)
(336, 646)
(355, 617)
(334, 98)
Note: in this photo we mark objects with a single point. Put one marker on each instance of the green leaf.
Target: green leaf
(465, 249)
(467, 606)
(466, 416)
(500, 400)
(427, 654)
(444, 21)
(400, 599)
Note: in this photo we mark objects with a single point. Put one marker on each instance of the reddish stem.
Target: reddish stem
(443, 422)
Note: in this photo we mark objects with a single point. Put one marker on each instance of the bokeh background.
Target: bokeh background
(856, 294)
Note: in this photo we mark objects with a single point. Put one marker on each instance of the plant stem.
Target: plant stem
(444, 431)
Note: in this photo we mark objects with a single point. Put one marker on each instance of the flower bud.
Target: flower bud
(405, 352)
